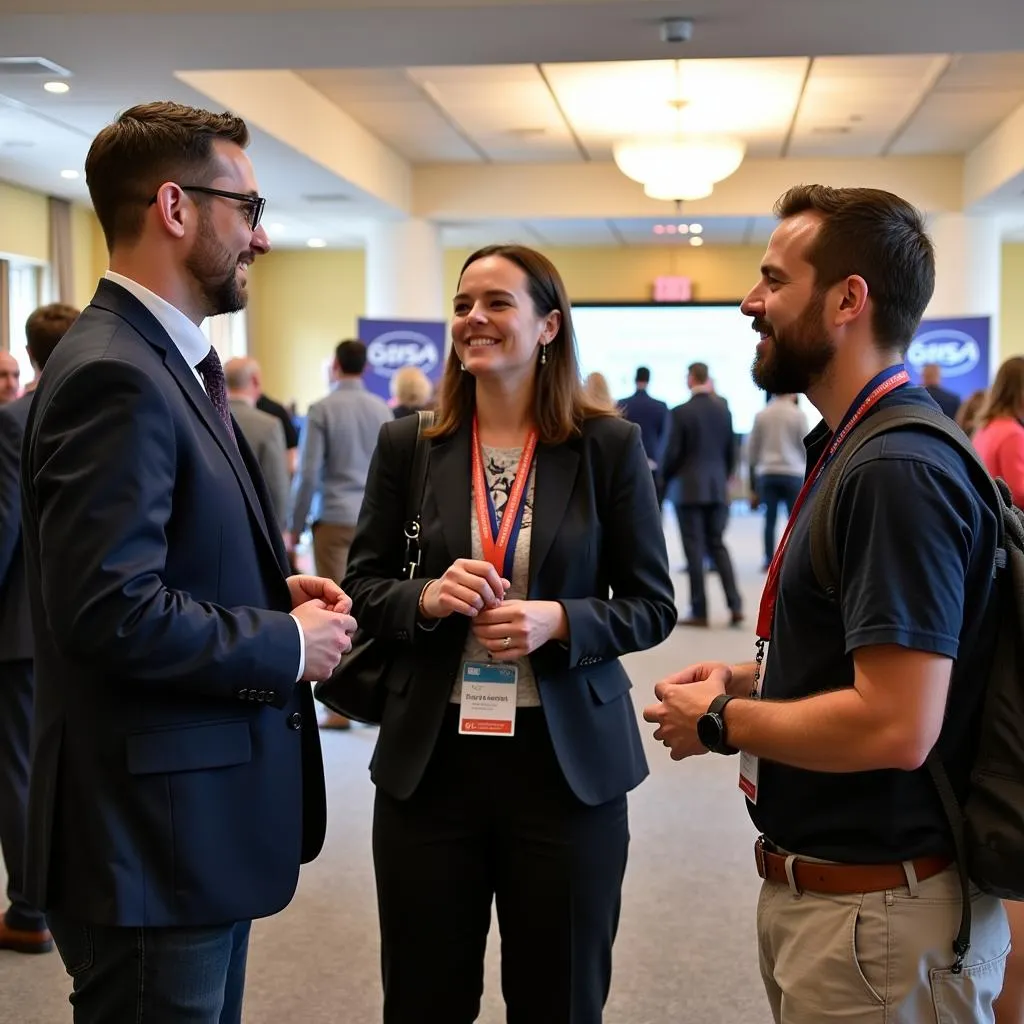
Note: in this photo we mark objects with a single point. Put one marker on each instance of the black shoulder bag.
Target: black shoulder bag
(356, 687)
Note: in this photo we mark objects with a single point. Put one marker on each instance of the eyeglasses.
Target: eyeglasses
(255, 203)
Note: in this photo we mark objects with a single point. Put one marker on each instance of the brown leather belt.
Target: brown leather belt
(840, 879)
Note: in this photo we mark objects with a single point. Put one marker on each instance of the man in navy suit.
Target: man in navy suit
(700, 458)
(177, 782)
(651, 416)
(23, 926)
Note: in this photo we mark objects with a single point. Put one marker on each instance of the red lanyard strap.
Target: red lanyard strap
(497, 549)
(766, 612)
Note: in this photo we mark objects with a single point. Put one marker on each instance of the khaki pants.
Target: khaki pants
(331, 543)
(879, 957)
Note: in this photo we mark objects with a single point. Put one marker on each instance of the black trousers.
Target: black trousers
(15, 735)
(493, 819)
(702, 527)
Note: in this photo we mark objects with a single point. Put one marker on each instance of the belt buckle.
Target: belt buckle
(759, 857)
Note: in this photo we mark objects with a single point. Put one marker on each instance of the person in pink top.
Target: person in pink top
(999, 439)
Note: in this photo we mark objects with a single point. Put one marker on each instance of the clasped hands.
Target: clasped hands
(322, 610)
(507, 629)
(683, 698)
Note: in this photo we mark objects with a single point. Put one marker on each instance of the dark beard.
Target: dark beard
(214, 269)
(796, 359)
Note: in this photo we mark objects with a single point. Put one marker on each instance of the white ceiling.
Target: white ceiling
(401, 67)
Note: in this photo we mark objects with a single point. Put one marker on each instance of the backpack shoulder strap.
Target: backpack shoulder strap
(824, 558)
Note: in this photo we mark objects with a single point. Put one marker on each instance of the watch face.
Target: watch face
(710, 730)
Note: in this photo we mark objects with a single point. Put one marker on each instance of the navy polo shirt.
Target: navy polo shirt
(916, 544)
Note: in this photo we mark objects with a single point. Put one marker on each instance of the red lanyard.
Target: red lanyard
(496, 549)
(766, 613)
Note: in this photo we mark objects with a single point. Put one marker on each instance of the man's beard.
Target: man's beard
(794, 360)
(215, 270)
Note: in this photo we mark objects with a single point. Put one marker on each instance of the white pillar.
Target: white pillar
(968, 263)
(405, 271)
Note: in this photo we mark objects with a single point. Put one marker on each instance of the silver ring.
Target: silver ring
(506, 643)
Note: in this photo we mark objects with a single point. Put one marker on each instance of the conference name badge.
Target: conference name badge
(488, 706)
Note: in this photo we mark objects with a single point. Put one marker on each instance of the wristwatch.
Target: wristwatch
(711, 727)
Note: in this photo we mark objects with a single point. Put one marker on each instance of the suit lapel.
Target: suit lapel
(117, 300)
(450, 474)
(556, 477)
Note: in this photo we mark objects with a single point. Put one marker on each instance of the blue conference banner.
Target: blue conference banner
(392, 344)
(959, 347)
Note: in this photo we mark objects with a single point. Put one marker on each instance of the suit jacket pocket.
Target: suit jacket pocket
(608, 682)
(188, 749)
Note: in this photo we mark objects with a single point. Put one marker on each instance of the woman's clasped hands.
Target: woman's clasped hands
(507, 629)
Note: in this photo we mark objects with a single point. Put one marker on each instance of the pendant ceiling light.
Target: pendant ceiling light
(681, 166)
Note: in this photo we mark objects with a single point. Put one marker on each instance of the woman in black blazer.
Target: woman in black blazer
(470, 806)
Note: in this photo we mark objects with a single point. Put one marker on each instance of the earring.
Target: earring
(543, 355)
(462, 367)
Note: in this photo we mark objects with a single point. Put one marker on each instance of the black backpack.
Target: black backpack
(988, 829)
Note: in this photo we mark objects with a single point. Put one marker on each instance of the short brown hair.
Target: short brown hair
(699, 372)
(877, 236)
(560, 404)
(146, 146)
(1006, 396)
(45, 327)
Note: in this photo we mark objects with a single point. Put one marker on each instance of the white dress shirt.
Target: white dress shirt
(193, 345)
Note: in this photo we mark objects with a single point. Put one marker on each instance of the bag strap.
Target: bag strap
(414, 495)
(825, 562)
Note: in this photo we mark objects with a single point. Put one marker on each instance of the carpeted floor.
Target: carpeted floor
(685, 952)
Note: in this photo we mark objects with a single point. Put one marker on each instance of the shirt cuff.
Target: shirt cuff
(302, 649)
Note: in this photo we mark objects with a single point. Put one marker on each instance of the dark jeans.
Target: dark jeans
(153, 975)
(15, 733)
(773, 489)
(494, 821)
(702, 527)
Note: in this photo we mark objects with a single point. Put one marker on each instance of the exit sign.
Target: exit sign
(672, 289)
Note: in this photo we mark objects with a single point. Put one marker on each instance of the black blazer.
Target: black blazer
(701, 452)
(15, 622)
(596, 528)
(171, 781)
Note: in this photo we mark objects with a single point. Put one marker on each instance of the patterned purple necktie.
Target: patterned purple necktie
(213, 378)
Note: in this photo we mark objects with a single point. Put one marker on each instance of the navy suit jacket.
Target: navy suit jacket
(701, 452)
(596, 528)
(173, 781)
(15, 622)
(651, 416)
(947, 401)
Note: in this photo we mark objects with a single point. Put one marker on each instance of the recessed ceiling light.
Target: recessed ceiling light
(683, 228)
(696, 240)
(659, 229)
(670, 228)
(696, 229)
(58, 87)
(70, 175)
(316, 243)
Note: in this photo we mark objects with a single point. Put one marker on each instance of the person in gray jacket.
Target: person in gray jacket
(334, 457)
(262, 431)
(776, 455)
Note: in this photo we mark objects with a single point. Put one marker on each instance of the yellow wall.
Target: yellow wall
(301, 304)
(24, 223)
(1011, 315)
(90, 254)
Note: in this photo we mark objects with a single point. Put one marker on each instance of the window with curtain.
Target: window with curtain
(25, 292)
(228, 334)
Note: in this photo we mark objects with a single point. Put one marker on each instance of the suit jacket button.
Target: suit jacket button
(295, 720)
(262, 695)
(242, 694)
(403, 635)
(271, 695)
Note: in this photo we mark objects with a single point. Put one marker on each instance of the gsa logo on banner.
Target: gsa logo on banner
(395, 349)
(955, 352)
(392, 344)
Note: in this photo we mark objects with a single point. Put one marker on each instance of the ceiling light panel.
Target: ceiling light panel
(752, 99)
(955, 122)
(867, 97)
